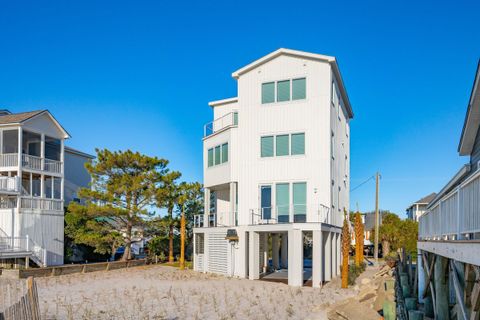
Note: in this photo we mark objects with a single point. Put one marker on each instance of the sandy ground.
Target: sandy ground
(159, 292)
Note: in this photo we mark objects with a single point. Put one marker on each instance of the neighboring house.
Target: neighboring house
(419, 207)
(76, 175)
(449, 231)
(276, 169)
(34, 166)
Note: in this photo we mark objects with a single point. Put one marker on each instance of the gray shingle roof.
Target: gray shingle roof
(18, 117)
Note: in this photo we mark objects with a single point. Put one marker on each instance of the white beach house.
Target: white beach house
(37, 173)
(276, 171)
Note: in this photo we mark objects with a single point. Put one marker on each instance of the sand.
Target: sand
(160, 292)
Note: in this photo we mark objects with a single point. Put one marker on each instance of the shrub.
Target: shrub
(354, 272)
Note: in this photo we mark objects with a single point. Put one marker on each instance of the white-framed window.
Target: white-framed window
(217, 155)
(282, 145)
(284, 90)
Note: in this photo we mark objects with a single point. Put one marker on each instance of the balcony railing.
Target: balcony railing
(295, 213)
(31, 203)
(9, 160)
(12, 245)
(456, 214)
(226, 121)
(41, 164)
(213, 220)
(9, 184)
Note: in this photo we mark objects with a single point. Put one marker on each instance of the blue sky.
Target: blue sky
(139, 74)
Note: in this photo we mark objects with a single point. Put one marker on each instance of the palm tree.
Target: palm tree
(345, 250)
(358, 239)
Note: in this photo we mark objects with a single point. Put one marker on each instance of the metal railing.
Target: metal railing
(198, 220)
(9, 184)
(218, 219)
(294, 213)
(455, 214)
(228, 120)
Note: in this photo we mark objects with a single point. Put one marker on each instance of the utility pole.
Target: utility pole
(377, 217)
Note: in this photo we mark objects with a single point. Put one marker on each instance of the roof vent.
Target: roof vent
(4, 112)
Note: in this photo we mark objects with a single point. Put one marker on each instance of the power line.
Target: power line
(361, 184)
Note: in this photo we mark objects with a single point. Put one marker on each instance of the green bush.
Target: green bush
(354, 272)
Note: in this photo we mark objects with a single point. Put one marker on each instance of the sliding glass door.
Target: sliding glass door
(266, 202)
(282, 201)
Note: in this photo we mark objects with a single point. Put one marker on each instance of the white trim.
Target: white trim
(222, 102)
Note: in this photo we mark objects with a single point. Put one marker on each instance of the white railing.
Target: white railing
(9, 184)
(9, 160)
(228, 120)
(198, 220)
(11, 245)
(52, 166)
(218, 219)
(41, 204)
(32, 162)
(8, 202)
(293, 214)
(455, 214)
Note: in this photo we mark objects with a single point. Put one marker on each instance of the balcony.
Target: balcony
(31, 162)
(298, 213)
(455, 215)
(222, 123)
(213, 220)
(31, 203)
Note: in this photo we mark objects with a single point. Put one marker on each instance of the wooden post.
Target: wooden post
(377, 218)
(441, 289)
(182, 239)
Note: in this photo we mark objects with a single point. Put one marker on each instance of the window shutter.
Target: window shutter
(266, 146)
(283, 90)
(282, 145)
(210, 157)
(298, 143)
(282, 201)
(217, 155)
(224, 152)
(299, 90)
(268, 92)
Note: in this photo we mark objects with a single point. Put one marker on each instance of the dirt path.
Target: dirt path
(159, 292)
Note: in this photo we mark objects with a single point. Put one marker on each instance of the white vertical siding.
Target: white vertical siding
(217, 253)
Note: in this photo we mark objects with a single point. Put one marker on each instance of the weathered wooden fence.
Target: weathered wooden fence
(19, 300)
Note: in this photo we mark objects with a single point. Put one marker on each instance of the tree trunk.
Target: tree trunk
(170, 236)
(345, 251)
(182, 241)
(385, 248)
(127, 255)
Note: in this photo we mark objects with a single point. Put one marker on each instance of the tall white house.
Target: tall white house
(34, 167)
(276, 171)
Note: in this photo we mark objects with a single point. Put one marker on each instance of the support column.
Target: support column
(441, 288)
(334, 255)
(295, 258)
(284, 251)
(421, 277)
(265, 252)
(339, 254)
(317, 259)
(253, 255)
(206, 253)
(206, 209)
(328, 256)
(233, 203)
(62, 170)
(275, 251)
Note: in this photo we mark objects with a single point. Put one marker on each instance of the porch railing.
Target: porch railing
(9, 160)
(23, 244)
(41, 164)
(455, 214)
(41, 204)
(9, 184)
(213, 220)
(228, 120)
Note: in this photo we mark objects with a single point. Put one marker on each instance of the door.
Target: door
(266, 202)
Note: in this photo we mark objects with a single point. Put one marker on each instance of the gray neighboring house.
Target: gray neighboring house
(418, 208)
(76, 176)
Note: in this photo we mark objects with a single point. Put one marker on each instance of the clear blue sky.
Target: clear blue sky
(137, 74)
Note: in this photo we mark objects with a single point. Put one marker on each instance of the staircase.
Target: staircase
(22, 247)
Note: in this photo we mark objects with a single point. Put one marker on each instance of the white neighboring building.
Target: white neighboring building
(276, 166)
(35, 169)
(418, 208)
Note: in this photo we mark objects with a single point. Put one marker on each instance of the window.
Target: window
(10, 141)
(300, 201)
(47, 186)
(299, 89)
(268, 92)
(217, 155)
(57, 185)
(283, 91)
(210, 157)
(31, 143)
(298, 143)
(282, 201)
(235, 118)
(224, 152)
(266, 146)
(52, 148)
(282, 145)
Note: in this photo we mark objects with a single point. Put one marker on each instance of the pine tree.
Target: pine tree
(345, 250)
